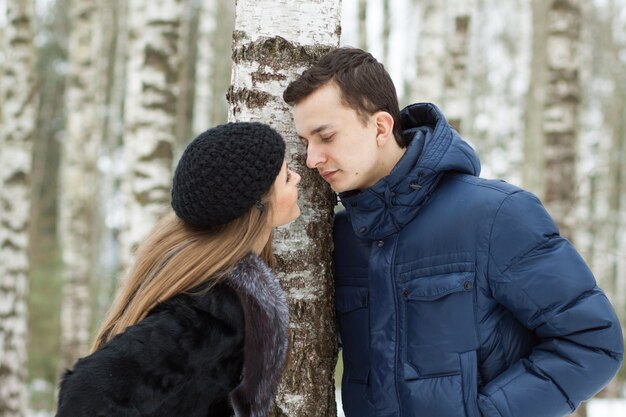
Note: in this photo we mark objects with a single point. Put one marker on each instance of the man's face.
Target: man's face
(339, 145)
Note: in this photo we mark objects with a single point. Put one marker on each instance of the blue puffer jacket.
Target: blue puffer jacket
(456, 296)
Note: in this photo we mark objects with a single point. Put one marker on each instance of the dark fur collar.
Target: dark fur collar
(266, 336)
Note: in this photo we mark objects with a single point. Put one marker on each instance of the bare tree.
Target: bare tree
(386, 31)
(266, 58)
(456, 99)
(188, 51)
(498, 76)
(150, 114)
(17, 124)
(430, 44)
(553, 103)
(362, 28)
(77, 208)
(212, 70)
(206, 61)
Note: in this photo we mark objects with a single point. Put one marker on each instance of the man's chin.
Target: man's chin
(338, 188)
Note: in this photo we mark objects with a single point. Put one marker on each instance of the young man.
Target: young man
(455, 295)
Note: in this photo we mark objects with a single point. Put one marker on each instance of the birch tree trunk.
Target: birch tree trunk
(498, 77)
(77, 208)
(429, 80)
(17, 124)
(266, 58)
(188, 52)
(560, 123)
(386, 32)
(534, 165)
(362, 26)
(457, 100)
(212, 70)
(150, 110)
(111, 162)
(206, 60)
(553, 108)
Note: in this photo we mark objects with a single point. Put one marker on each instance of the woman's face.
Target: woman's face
(285, 197)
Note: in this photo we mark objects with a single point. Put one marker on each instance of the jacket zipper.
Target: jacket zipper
(395, 297)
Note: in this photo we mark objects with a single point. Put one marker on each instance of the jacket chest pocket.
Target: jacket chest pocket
(439, 323)
(353, 317)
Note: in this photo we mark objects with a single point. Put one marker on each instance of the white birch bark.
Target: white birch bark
(362, 24)
(266, 58)
(560, 119)
(111, 188)
(534, 164)
(499, 70)
(212, 69)
(431, 47)
(204, 67)
(188, 56)
(459, 26)
(150, 115)
(386, 33)
(79, 184)
(17, 92)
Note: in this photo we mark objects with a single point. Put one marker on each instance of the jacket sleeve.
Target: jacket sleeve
(544, 282)
(178, 349)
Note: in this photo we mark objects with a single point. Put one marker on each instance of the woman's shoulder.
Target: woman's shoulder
(207, 301)
(185, 336)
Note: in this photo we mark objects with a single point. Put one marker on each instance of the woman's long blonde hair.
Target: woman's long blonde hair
(175, 257)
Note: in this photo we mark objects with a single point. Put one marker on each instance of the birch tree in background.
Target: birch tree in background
(498, 74)
(386, 32)
(188, 53)
(362, 25)
(17, 124)
(79, 173)
(150, 115)
(206, 61)
(266, 58)
(456, 101)
(560, 123)
(112, 65)
(212, 69)
(428, 84)
(553, 108)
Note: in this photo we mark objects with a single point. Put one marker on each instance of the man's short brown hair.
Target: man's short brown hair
(364, 83)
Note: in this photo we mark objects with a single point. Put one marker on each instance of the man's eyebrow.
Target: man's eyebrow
(320, 129)
(316, 131)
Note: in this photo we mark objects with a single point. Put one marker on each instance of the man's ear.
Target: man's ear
(384, 127)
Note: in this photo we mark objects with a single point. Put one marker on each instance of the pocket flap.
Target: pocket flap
(437, 286)
(429, 362)
(351, 298)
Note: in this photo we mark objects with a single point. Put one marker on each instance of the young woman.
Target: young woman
(199, 328)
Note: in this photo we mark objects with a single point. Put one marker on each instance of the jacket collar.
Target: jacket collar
(264, 305)
(434, 148)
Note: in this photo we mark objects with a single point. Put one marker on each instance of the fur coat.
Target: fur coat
(204, 353)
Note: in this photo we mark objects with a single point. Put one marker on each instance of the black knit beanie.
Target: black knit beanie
(225, 171)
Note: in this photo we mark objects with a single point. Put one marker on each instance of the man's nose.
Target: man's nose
(314, 156)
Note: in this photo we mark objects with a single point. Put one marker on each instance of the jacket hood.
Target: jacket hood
(434, 149)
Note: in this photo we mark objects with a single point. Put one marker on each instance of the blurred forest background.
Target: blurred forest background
(538, 87)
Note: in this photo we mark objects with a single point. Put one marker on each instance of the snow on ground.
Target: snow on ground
(601, 407)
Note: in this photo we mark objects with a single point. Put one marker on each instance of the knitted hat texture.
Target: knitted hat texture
(225, 171)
